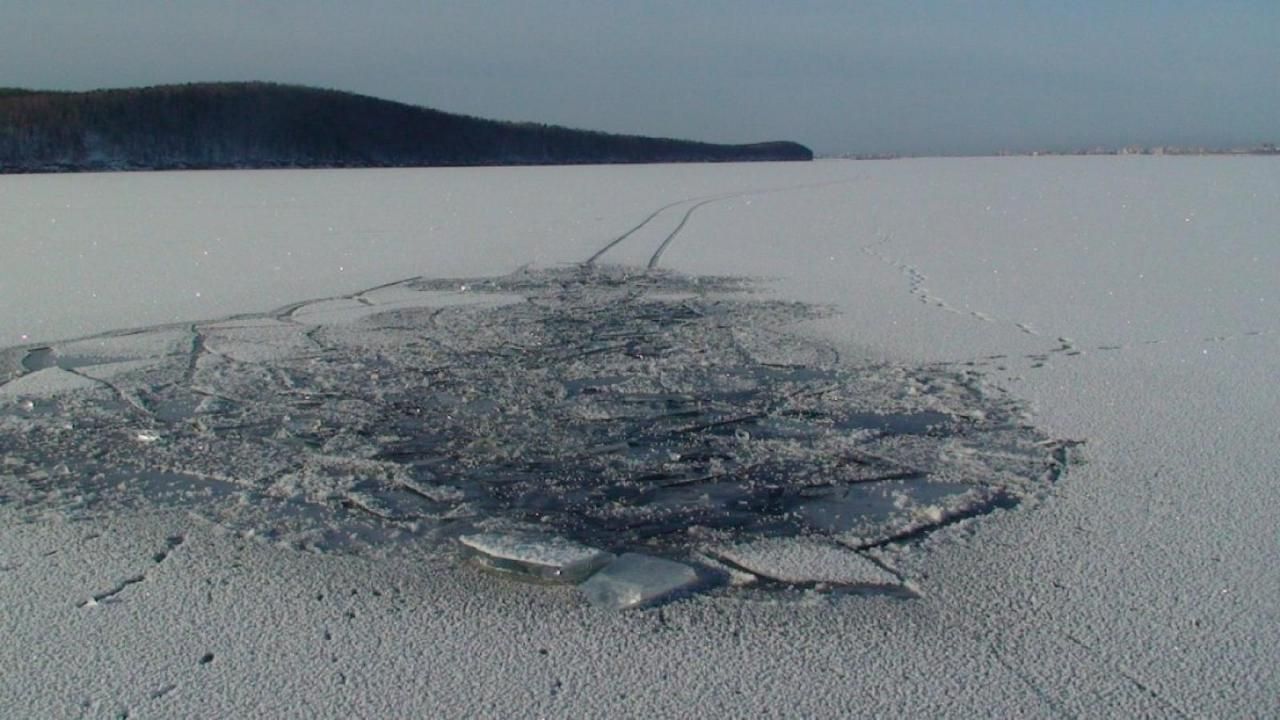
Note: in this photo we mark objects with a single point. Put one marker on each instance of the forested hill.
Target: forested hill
(262, 125)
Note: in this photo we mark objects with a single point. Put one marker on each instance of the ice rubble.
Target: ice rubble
(611, 408)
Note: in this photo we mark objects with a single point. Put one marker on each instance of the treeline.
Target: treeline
(263, 125)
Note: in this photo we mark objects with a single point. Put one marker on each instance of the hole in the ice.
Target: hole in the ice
(42, 358)
(39, 359)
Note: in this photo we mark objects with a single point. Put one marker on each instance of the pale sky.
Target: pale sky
(877, 76)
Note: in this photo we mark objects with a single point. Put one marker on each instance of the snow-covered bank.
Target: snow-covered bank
(1126, 299)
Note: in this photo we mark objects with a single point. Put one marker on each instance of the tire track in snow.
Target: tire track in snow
(657, 255)
(618, 240)
(699, 201)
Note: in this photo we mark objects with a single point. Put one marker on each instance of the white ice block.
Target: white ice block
(634, 580)
(541, 558)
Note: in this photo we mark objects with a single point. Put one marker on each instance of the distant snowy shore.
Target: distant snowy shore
(268, 125)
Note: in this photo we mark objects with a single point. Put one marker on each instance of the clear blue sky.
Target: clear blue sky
(877, 76)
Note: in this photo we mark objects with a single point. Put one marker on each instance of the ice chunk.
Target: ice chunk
(541, 558)
(634, 580)
(802, 561)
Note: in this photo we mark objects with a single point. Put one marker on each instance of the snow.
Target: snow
(806, 561)
(1122, 302)
(112, 251)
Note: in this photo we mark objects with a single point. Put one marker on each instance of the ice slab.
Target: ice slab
(634, 580)
(46, 383)
(258, 344)
(541, 558)
(112, 370)
(804, 561)
(124, 346)
(864, 515)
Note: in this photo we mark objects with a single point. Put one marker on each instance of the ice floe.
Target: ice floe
(634, 580)
(536, 557)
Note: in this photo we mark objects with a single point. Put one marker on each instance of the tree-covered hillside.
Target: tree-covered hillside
(262, 125)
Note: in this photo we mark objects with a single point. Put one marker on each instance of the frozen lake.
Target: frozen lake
(957, 325)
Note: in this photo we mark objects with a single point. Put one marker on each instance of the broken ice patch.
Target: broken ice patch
(610, 409)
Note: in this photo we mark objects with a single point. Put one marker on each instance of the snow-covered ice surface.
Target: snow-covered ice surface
(806, 562)
(898, 398)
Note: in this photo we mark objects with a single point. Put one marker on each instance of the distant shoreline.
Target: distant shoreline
(207, 126)
(1261, 150)
(60, 170)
